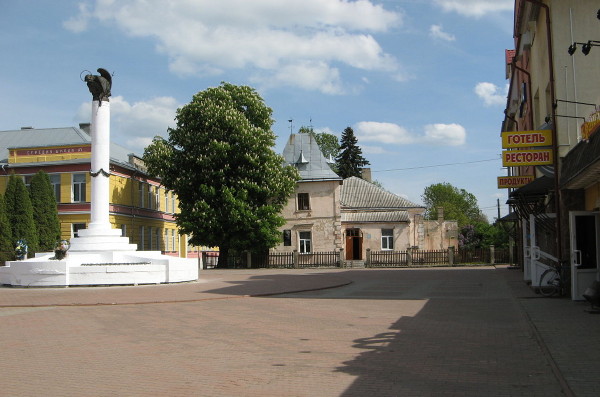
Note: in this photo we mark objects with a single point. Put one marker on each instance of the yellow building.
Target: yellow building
(139, 206)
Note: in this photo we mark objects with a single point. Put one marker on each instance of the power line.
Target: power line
(433, 166)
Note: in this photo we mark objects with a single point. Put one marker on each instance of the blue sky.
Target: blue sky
(421, 82)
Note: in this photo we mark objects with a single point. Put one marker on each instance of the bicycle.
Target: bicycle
(555, 280)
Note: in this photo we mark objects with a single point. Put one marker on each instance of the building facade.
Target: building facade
(328, 213)
(554, 88)
(139, 206)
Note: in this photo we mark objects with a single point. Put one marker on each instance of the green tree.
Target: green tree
(45, 212)
(6, 240)
(350, 161)
(19, 211)
(458, 204)
(220, 162)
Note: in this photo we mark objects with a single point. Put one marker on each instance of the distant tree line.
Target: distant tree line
(28, 214)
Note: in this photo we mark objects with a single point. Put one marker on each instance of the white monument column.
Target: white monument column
(99, 235)
(100, 165)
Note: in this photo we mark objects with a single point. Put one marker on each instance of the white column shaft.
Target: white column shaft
(100, 162)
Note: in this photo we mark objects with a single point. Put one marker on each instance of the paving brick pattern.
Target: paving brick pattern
(401, 332)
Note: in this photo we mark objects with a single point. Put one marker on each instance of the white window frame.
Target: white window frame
(78, 188)
(304, 243)
(55, 185)
(387, 240)
(141, 194)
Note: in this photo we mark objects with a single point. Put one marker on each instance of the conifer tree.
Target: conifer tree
(350, 160)
(6, 243)
(19, 212)
(45, 213)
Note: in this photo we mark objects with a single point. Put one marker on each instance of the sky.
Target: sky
(421, 82)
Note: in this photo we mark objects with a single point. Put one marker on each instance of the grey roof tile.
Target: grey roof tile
(303, 152)
(41, 137)
(375, 216)
(358, 193)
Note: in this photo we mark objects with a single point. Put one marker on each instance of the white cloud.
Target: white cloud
(445, 134)
(373, 131)
(390, 133)
(436, 32)
(78, 23)
(262, 36)
(135, 125)
(476, 8)
(491, 94)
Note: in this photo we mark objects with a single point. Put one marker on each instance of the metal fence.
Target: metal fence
(374, 259)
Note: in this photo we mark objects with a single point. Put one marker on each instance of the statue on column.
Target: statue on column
(99, 86)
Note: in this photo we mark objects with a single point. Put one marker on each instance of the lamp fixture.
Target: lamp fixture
(585, 47)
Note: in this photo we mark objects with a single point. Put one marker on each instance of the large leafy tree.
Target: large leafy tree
(6, 240)
(458, 204)
(350, 161)
(19, 211)
(45, 213)
(220, 162)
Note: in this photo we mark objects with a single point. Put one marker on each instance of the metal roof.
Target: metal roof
(43, 137)
(304, 153)
(375, 216)
(358, 193)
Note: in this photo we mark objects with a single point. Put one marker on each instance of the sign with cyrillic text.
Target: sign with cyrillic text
(517, 158)
(507, 182)
(511, 139)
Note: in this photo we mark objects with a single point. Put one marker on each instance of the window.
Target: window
(157, 198)
(141, 239)
(173, 208)
(75, 228)
(78, 188)
(141, 194)
(157, 235)
(287, 238)
(27, 181)
(303, 202)
(55, 181)
(150, 246)
(305, 242)
(150, 196)
(166, 239)
(387, 239)
(174, 240)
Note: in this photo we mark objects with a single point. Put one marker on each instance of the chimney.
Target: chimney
(440, 213)
(365, 174)
(27, 128)
(85, 127)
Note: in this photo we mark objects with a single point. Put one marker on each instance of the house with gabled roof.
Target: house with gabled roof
(329, 213)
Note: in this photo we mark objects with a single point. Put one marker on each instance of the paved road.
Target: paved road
(429, 332)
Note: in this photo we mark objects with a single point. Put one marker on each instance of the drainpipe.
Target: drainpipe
(557, 199)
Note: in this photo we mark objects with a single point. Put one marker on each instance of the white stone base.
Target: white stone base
(99, 268)
(100, 239)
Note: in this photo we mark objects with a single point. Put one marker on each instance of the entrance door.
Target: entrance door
(353, 244)
(584, 251)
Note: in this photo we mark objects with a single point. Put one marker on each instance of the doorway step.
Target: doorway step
(355, 264)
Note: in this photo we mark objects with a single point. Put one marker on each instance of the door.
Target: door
(353, 244)
(583, 227)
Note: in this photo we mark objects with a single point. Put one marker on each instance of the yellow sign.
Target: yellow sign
(590, 125)
(516, 158)
(515, 139)
(506, 182)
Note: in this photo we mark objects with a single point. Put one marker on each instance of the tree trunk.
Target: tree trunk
(223, 257)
